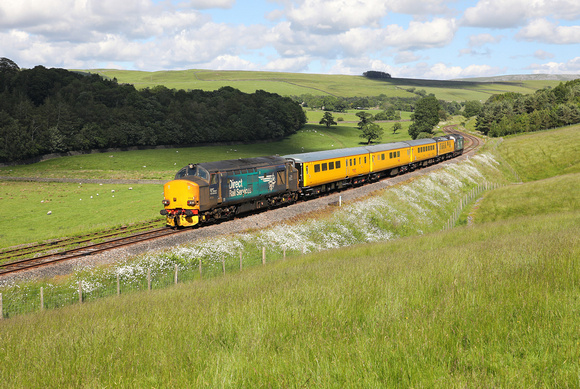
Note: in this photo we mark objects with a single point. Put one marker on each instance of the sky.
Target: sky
(428, 39)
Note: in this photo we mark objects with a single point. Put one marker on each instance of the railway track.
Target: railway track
(47, 259)
(472, 142)
(114, 238)
(20, 252)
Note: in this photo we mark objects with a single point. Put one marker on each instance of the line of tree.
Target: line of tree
(376, 74)
(54, 110)
(382, 101)
(512, 113)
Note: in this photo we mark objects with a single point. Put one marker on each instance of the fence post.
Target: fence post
(80, 293)
(284, 253)
(240, 260)
(118, 284)
(1, 309)
(41, 298)
(263, 255)
(224, 265)
(175, 278)
(148, 279)
(200, 268)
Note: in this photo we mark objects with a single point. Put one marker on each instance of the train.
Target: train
(208, 192)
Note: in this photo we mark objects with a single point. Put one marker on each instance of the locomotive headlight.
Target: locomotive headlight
(191, 203)
(165, 202)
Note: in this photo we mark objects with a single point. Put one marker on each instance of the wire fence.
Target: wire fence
(32, 298)
(27, 299)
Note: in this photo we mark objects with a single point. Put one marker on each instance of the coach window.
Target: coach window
(324, 167)
(383, 157)
(306, 169)
(365, 159)
(398, 154)
(337, 164)
(330, 165)
(317, 168)
(359, 160)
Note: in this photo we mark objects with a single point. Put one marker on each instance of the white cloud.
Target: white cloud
(570, 67)
(421, 35)
(332, 16)
(209, 4)
(437, 71)
(542, 30)
(514, 13)
(419, 7)
(483, 39)
(541, 54)
(406, 57)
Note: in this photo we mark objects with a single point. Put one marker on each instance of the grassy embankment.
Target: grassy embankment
(495, 304)
(25, 205)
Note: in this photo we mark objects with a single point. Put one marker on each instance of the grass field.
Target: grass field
(288, 84)
(491, 305)
(544, 154)
(74, 208)
(70, 214)
(495, 304)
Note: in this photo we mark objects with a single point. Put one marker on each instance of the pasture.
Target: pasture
(296, 84)
(26, 218)
(494, 303)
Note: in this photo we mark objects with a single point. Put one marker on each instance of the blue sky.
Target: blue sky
(431, 39)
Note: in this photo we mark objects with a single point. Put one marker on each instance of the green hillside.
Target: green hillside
(295, 84)
(384, 297)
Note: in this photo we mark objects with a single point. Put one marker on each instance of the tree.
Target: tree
(425, 117)
(371, 131)
(328, 120)
(396, 127)
(365, 118)
(472, 108)
(7, 65)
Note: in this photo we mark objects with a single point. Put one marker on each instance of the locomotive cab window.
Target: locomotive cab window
(214, 179)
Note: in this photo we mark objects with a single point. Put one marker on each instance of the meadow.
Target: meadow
(372, 294)
(74, 211)
(296, 84)
(403, 304)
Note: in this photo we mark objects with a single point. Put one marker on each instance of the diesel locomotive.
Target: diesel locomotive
(211, 191)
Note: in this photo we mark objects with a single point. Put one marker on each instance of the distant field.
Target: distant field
(287, 84)
(72, 215)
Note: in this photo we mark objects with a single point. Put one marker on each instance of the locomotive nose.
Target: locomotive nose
(181, 207)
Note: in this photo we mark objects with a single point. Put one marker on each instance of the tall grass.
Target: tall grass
(445, 310)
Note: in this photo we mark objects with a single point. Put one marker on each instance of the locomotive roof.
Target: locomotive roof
(327, 154)
(242, 163)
